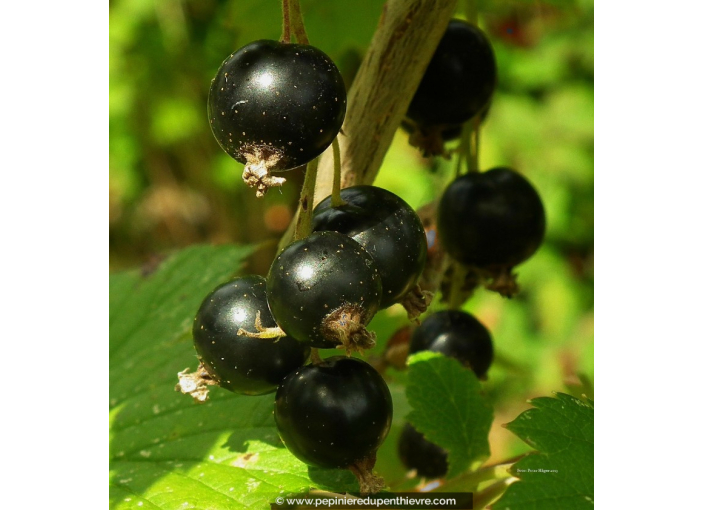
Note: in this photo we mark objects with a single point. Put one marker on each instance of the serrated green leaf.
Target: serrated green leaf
(448, 408)
(167, 452)
(561, 475)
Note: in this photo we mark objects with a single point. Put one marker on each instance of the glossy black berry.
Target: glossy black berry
(252, 366)
(388, 229)
(459, 80)
(458, 335)
(491, 219)
(324, 289)
(335, 413)
(275, 106)
(416, 452)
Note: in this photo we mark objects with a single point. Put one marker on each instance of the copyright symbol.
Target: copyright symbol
(279, 501)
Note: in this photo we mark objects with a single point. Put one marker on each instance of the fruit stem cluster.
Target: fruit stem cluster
(293, 19)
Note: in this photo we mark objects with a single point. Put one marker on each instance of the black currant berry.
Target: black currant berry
(275, 106)
(333, 414)
(416, 452)
(388, 229)
(458, 335)
(251, 366)
(323, 290)
(491, 219)
(459, 80)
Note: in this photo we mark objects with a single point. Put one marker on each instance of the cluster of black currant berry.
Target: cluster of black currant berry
(485, 222)
(332, 413)
(253, 335)
(276, 106)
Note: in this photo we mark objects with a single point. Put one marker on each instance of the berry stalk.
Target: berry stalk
(305, 207)
(473, 158)
(463, 150)
(468, 149)
(471, 11)
(459, 273)
(336, 199)
(286, 21)
(299, 28)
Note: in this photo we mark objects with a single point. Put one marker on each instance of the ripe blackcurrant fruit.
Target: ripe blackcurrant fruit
(388, 229)
(323, 290)
(275, 106)
(458, 335)
(457, 86)
(416, 452)
(459, 80)
(335, 413)
(491, 219)
(251, 366)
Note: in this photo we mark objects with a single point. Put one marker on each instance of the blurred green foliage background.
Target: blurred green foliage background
(172, 186)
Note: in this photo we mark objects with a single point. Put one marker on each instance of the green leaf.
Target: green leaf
(448, 408)
(561, 475)
(166, 451)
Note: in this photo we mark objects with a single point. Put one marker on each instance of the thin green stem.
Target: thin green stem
(303, 226)
(473, 159)
(464, 149)
(298, 27)
(286, 16)
(471, 11)
(332, 495)
(471, 480)
(492, 492)
(459, 274)
(336, 199)
(315, 356)
(470, 131)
